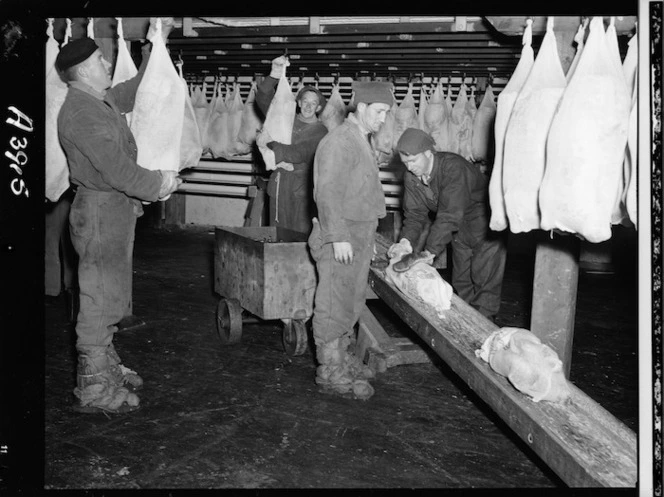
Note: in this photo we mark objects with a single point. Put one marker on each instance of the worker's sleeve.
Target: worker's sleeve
(101, 144)
(124, 94)
(301, 152)
(332, 169)
(265, 93)
(453, 198)
(415, 211)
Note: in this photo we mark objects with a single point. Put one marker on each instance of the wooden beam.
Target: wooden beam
(580, 441)
(554, 294)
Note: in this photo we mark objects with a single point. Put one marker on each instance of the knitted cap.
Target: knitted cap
(414, 141)
(371, 92)
(75, 52)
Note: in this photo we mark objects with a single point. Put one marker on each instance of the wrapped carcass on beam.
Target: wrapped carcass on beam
(124, 65)
(158, 116)
(334, 112)
(218, 131)
(251, 122)
(455, 117)
(524, 155)
(190, 143)
(235, 113)
(279, 122)
(504, 108)
(631, 156)
(482, 139)
(405, 116)
(56, 169)
(586, 144)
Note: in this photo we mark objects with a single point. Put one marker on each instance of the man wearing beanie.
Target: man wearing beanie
(110, 185)
(457, 192)
(350, 200)
(291, 192)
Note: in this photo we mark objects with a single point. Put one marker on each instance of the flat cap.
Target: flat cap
(371, 92)
(414, 141)
(75, 52)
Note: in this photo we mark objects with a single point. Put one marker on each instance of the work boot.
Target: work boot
(123, 375)
(337, 374)
(97, 389)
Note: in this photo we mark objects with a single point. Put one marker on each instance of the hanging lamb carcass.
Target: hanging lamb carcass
(405, 116)
(279, 122)
(524, 155)
(630, 66)
(586, 144)
(436, 118)
(56, 167)
(251, 121)
(506, 100)
(235, 113)
(190, 143)
(158, 116)
(125, 68)
(482, 139)
(334, 112)
(218, 131)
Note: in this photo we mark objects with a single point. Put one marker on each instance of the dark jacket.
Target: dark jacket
(457, 194)
(100, 148)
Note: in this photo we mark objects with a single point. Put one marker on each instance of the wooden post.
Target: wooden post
(554, 295)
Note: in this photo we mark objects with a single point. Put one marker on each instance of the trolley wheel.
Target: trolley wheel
(294, 337)
(229, 321)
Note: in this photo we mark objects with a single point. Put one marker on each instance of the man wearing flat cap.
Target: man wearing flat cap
(457, 192)
(350, 200)
(110, 185)
(291, 192)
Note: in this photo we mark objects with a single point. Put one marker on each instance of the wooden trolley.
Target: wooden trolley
(268, 272)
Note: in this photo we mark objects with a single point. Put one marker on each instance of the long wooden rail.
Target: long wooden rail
(584, 444)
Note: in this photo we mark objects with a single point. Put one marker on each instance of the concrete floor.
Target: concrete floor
(250, 416)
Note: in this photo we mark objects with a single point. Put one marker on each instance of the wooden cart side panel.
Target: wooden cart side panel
(238, 270)
(290, 281)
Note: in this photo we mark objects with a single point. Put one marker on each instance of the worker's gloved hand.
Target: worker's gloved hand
(279, 66)
(169, 183)
(399, 249)
(409, 260)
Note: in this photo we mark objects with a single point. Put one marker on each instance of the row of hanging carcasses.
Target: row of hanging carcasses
(162, 121)
(566, 155)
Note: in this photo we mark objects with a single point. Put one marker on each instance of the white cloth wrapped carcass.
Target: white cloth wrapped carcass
(158, 115)
(531, 366)
(218, 130)
(482, 140)
(464, 110)
(251, 122)
(631, 156)
(383, 139)
(235, 113)
(279, 122)
(334, 112)
(506, 99)
(455, 113)
(190, 143)
(578, 38)
(56, 169)
(586, 145)
(437, 117)
(421, 282)
(524, 156)
(124, 65)
(405, 116)
(202, 110)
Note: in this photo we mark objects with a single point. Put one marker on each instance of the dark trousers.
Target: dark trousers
(477, 271)
(102, 226)
(291, 200)
(341, 290)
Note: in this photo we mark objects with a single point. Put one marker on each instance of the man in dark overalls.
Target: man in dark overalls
(457, 192)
